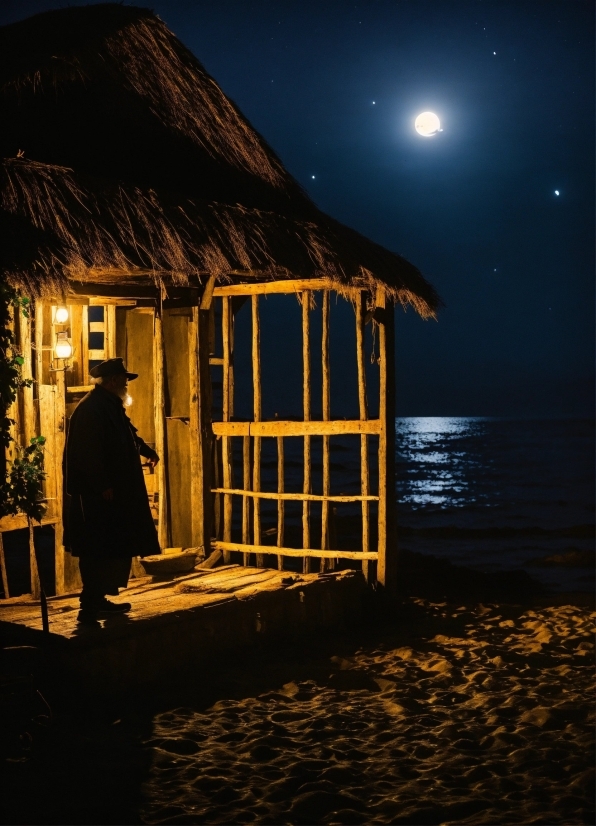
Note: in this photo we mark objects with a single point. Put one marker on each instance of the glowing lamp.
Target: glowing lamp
(63, 348)
(61, 316)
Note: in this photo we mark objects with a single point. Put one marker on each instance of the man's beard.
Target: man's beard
(122, 393)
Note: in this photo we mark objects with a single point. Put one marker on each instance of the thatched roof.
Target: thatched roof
(134, 163)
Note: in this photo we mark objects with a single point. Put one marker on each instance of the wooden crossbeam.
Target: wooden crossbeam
(337, 427)
(296, 285)
(261, 550)
(298, 497)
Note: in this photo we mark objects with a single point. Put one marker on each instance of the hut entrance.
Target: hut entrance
(258, 488)
(245, 451)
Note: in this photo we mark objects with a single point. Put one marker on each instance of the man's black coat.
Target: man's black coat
(103, 451)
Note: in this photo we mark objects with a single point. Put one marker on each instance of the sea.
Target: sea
(500, 494)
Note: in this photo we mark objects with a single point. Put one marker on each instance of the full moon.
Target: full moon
(427, 124)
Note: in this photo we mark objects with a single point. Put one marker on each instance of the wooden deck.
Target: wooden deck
(175, 625)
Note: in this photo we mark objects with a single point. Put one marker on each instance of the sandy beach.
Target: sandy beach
(488, 721)
(439, 712)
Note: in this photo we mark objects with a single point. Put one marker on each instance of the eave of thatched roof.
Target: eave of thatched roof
(150, 171)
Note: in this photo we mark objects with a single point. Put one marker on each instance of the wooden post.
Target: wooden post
(38, 345)
(51, 425)
(200, 453)
(245, 499)
(326, 418)
(205, 401)
(67, 567)
(28, 409)
(159, 411)
(109, 341)
(3, 569)
(387, 549)
(363, 406)
(306, 486)
(35, 582)
(226, 442)
(85, 344)
(280, 502)
(13, 410)
(256, 385)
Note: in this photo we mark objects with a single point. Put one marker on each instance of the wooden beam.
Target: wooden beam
(293, 497)
(296, 285)
(387, 548)
(257, 413)
(363, 411)
(19, 521)
(131, 291)
(261, 550)
(80, 388)
(104, 301)
(306, 404)
(277, 427)
(207, 296)
(159, 410)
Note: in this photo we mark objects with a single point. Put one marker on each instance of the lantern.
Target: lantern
(63, 347)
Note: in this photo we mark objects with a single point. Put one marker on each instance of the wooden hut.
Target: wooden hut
(140, 211)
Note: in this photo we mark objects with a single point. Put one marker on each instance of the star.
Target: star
(557, 192)
(313, 177)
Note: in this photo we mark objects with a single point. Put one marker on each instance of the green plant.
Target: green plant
(21, 488)
(24, 481)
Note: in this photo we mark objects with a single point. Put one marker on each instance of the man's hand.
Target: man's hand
(153, 460)
(108, 495)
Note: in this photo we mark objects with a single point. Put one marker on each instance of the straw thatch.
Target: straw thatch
(136, 165)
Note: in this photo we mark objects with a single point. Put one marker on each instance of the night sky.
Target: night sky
(335, 87)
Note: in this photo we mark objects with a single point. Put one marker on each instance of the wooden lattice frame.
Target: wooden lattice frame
(383, 427)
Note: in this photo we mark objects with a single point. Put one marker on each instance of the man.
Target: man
(109, 520)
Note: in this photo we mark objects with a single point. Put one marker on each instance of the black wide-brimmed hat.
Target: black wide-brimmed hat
(112, 367)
